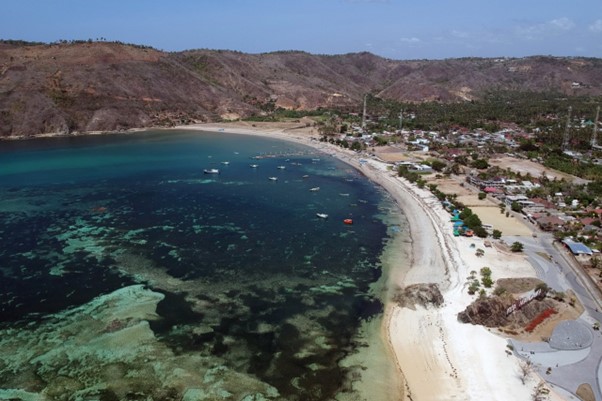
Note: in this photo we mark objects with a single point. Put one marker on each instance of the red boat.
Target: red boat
(348, 221)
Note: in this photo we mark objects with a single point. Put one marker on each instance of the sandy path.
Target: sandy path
(438, 357)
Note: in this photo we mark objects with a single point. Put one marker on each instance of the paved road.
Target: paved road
(567, 369)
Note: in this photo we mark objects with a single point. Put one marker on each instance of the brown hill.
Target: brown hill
(110, 86)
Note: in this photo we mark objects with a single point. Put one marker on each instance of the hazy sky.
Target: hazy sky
(398, 29)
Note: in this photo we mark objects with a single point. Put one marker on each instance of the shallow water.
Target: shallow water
(251, 282)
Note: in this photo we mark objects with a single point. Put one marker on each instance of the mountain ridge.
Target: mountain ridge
(96, 86)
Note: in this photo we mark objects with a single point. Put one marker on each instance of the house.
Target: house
(550, 223)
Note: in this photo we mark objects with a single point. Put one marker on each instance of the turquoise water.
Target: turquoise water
(251, 281)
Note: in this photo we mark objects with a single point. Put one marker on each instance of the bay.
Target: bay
(253, 292)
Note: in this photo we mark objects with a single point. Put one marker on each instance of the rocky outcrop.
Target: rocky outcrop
(419, 294)
(491, 311)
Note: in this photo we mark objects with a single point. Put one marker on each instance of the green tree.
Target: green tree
(480, 164)
(438, 165)
(482, 195)
(516, 247)
(480, 232)
(473, 221)
(516, 207)
(465, 213)
(497, 234)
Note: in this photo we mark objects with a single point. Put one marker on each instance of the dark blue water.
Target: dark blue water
(84, 216)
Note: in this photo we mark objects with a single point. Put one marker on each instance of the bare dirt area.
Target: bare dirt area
(487, 209)
(392, 154)
(534, 169)
(499, 221)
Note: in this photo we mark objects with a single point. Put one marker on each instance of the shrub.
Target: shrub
(499, 291)
(516, 247)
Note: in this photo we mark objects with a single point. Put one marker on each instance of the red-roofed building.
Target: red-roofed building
(550, 223)
(586, 221)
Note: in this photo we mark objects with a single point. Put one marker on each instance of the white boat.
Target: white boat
(322, 215)
(344, 194)
(281, 167)
(254, 165)
(315, 189)
(273, 178)
(226, 163)
(305, 176)
(211, 171)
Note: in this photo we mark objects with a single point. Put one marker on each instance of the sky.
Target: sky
(396, 29)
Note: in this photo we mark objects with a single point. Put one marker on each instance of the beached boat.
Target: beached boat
(273, 178)
(348, 221)
(322, 215)
(211, 171)
(314, 189)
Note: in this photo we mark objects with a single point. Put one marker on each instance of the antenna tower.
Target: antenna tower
(400, 120)
(565, 140)
(594, 139)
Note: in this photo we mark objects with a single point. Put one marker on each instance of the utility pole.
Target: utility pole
(565, 140)
(594, 139)
(364, 114)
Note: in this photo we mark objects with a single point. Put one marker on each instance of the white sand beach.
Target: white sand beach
(438, 357)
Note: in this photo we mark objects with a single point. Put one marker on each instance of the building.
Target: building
(577, 248)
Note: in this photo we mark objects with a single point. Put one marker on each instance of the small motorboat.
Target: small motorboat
(314, 189)
(281, 167)
(254, 165)
(344, 194)
(348, 221)
(322, 215)
(225, 163)
(305, 176)
(273, 178)
(211, 171)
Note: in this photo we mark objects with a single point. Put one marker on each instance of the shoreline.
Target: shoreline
(436, 357)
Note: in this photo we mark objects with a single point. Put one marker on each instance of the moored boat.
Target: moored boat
(211, 171)
(254, 165)
(348, 221)
(322, 215)
(273, 178)
(314, 189)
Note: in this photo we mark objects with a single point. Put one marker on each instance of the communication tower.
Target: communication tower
(400, 120)
(565, 140)
(364, 114)
(594, 137)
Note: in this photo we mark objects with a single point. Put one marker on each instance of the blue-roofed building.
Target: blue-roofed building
(577, 247)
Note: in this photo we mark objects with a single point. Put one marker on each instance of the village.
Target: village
(498, 176)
